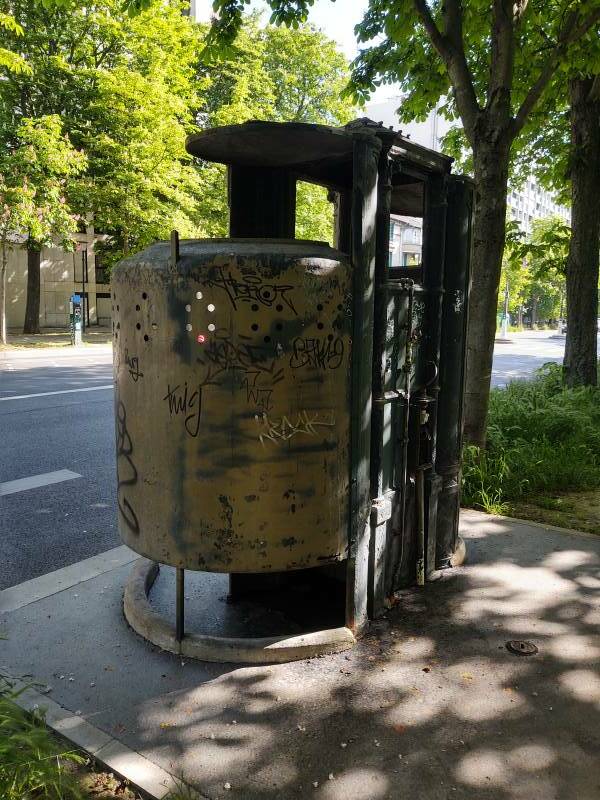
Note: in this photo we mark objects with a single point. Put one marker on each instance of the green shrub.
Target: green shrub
(32, 763)
(541, 437)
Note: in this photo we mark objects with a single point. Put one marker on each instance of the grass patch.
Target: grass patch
(37, 765)
(543, 441)
(33, 764)
(577, 510)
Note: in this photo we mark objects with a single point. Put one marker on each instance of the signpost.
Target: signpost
(75, 319)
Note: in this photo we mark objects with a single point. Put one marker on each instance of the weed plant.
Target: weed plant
(541, 437)
(32, 763)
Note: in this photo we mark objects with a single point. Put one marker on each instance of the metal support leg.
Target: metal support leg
(179, 619)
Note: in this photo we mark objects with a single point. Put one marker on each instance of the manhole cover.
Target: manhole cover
(521, 648)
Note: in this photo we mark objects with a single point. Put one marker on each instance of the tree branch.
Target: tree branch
(432, 29)
(570, 33)
(503, 52)
(450, 47)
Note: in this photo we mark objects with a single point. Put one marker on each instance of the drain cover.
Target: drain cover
(521, 648)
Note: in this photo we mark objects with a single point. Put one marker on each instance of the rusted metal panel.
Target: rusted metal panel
(232, 372)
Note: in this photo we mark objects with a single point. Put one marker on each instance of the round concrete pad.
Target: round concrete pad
(152, 626)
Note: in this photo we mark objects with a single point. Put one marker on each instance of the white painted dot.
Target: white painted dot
(188, 327)
(188, 308)
(198, 295)
(212, 327)
(210, 307)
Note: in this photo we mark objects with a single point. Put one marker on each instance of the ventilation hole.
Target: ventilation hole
(137, 308)
(118, 325)
(320, 326)
(210, 307)
(144, 296)
(254, 326)
(279, 307)
(212, 327)
(279, 326)
(188, 327)
(138, 326)
(254, 307)
(117, 308)
(267, 339)
(330, 337)
(188, 308)
(340, 307)
(116, 334)
(293, 508)
(114, 296)
(146, 337)
(198, 295)
(319, 307)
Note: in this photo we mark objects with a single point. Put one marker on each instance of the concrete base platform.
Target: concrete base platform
(244, 616)
(430, 704)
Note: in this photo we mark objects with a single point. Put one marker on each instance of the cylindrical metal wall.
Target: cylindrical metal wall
(232, 372)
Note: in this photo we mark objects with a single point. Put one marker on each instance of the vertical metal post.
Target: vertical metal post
(180, 605)
(174, 247)
(452, 364)
(364, 208)
(381, 413)
(85, 305)
(433, 284)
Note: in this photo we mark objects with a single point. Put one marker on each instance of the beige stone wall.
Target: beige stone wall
(61, 276)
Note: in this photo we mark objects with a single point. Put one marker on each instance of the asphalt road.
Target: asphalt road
(50, 526)
(56, 414)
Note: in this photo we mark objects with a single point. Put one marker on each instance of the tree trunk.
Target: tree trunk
(580, 363)
(491, 179)
(3, 294)
(32, 310)
(534, 309)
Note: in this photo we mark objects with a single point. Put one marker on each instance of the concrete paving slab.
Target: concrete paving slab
(64, 578)
(430, 704)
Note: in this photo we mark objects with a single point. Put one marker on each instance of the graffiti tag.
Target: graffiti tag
(303, 423)
(186, 402)
(320, 353)
(125, 466)
(133, 364)
(252, 289)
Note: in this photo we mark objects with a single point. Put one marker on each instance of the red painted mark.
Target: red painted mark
(201, 338)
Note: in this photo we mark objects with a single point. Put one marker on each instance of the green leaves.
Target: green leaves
(129, 85)
(33, 188)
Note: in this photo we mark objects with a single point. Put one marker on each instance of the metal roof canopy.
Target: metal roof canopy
(321, 154)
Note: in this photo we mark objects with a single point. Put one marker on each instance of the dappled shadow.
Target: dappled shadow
(429, 705)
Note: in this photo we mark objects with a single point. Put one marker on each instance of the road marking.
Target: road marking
(35, 481)
(62, 391)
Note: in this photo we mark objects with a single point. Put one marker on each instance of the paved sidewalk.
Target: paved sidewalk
(430, 705)
(57, 337)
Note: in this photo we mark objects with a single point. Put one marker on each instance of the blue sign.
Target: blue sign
(76, 298)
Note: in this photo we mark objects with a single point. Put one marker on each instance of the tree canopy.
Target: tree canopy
(130, 88)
